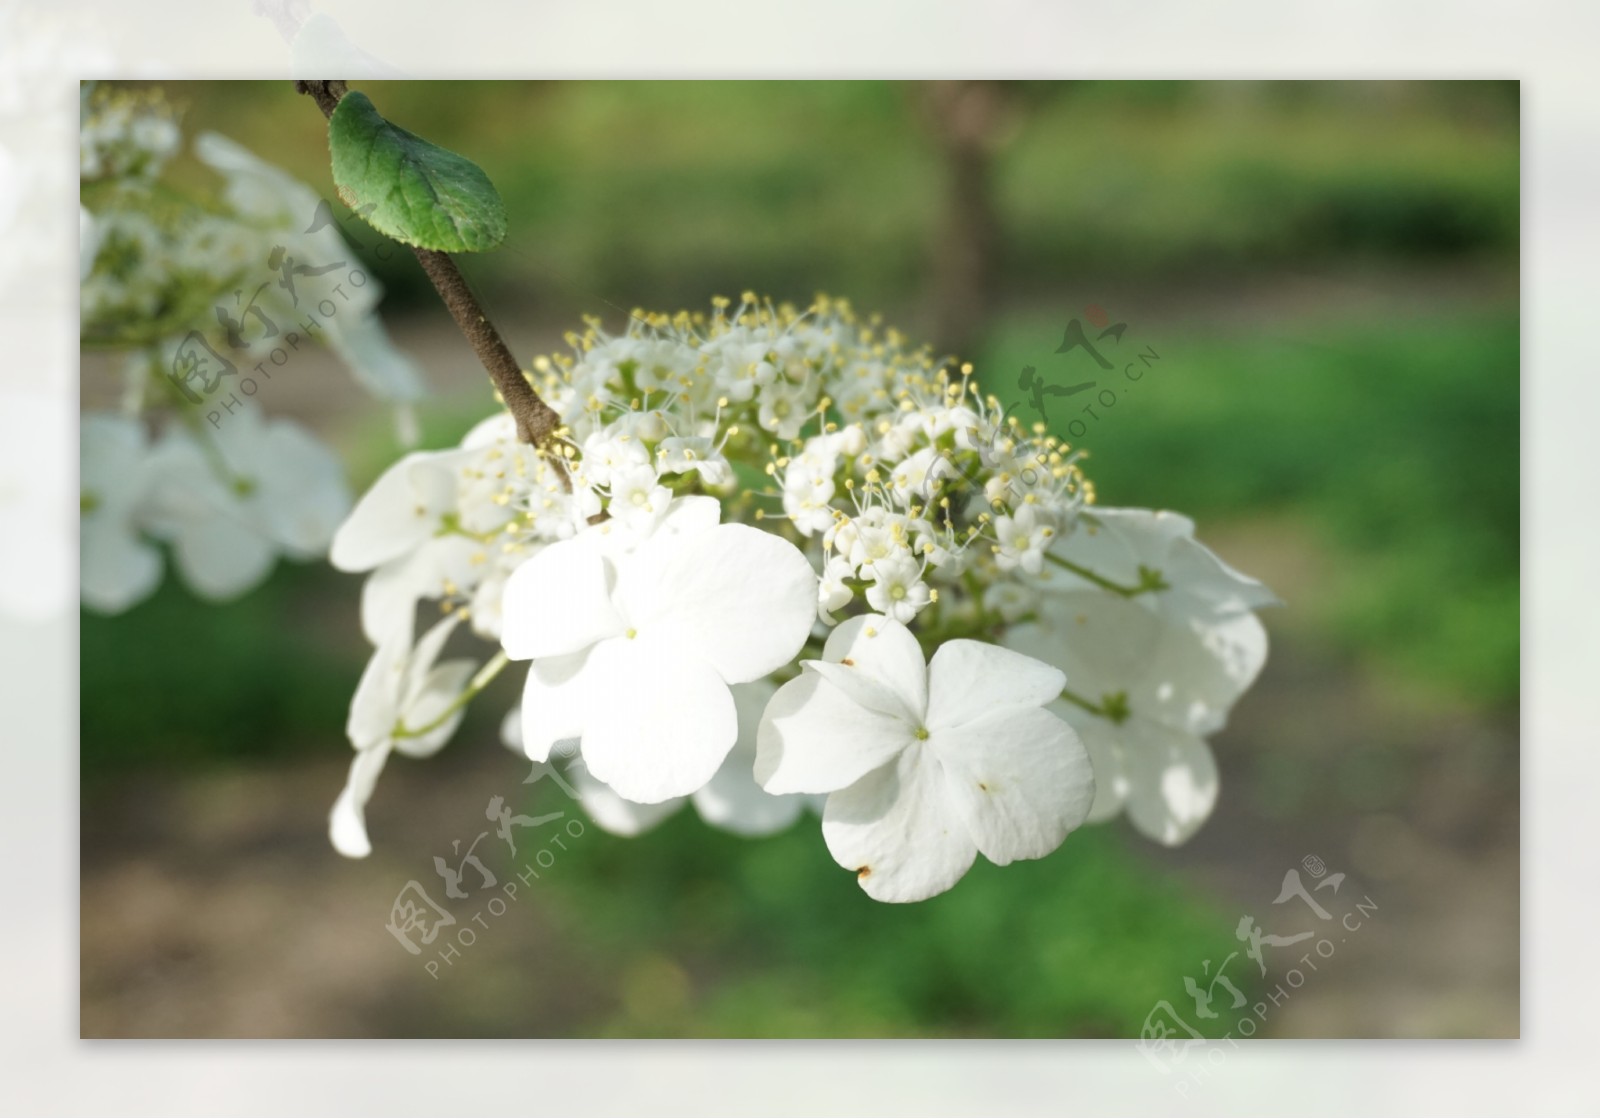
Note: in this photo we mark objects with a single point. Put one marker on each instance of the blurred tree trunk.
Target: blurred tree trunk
(967, 119)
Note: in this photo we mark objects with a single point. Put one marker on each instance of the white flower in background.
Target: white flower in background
(897, 588)
(634, 653)
(784, 408)
(271, 198)
(916, 477)
(1118, 544)
(638, 499)
(118, 566)
(684, 454)
(1022, 540)
(261, 269)
(125, 135)
(833, 593)
(927, 764)
(1165, 682)
(230, 500)
(607, 454)
(808, 486)
(1012, 601)
(155, 250)
(380, 367)
(731, 800)
(401, 689)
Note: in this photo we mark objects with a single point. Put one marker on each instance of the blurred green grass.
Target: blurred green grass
(181, 683)
(713, 935)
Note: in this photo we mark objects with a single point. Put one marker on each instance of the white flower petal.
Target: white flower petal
(1116, 542)
(347, 823)
(439, 689)
(1135, 535)
(555, 703)
(1099, 737)
(1172, 779)
(694, 513)
(116, 568)
(375, 705)
(898, 831)
(970, 680)
(1214, 588)
(732, 800)
(740, 599)
(399, 512)
(559, 602)
(1186, 673)
(886, 651)
(814, 738)
(1020, 779)
(1102, 642)
(115, 465)
(511, 729)
(685, 515)
(221, 557)
(866, 691)
(497, 428)
(301, 490)
(1198, 670)
(660, 722)
(420, 663)
(376, 363)
(390, 594)
(612, 813)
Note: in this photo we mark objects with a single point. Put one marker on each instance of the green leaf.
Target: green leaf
(409, 189)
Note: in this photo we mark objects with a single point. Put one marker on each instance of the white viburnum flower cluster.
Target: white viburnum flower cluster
(205, 297)
(227, 504)
(125, 136)
(777, 559)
